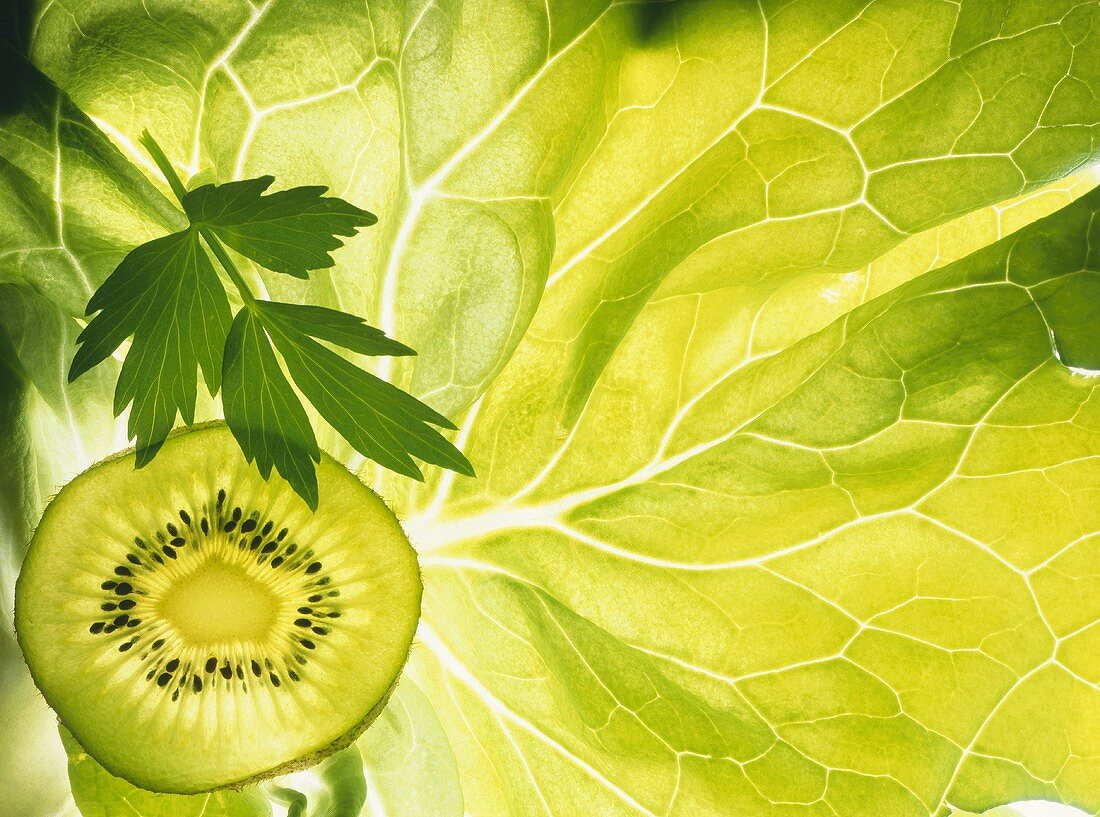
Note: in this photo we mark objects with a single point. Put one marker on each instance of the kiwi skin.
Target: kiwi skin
(293, 765)
(342, 742)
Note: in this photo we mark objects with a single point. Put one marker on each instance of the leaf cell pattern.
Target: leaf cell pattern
(774, 375)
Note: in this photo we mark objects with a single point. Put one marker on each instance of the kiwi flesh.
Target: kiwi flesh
(197, 627)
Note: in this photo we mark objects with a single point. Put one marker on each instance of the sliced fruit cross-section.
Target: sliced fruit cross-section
(195, 626)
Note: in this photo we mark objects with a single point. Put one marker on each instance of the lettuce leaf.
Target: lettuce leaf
(772, 326)
(98, 793)
(25, 721)
(851, 573)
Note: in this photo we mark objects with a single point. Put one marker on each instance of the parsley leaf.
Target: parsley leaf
(291, 231)
(169, 298)
(166, 294)
(338, 328)
(378, 419)
(263, 411)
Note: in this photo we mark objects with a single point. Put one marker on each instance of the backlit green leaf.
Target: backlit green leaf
(98, 793)
(337, 788)
(379, 420)
(338, 328)
(291, 231)
(778, 514)
(167, 295)
(263, 412)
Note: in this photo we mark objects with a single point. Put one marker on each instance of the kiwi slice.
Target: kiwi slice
(197, 627)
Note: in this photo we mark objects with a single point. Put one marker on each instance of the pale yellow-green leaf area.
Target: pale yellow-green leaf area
(1027, 808)
(854, 571)
(769, 328)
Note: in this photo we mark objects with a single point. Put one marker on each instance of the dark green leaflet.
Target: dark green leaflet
(291, 231)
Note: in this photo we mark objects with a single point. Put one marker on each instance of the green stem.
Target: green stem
(227, 264)
(150, 144)
(211, 240)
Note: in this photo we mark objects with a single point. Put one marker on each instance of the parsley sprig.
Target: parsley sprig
(168, 297)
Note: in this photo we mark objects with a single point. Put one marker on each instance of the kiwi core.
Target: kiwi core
(220, 602)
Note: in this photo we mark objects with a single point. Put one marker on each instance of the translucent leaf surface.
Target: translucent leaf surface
(830, 585)
(336, 788)
(292, 231)
(25, 720)
(410, 762)
(98, 793)
(485, 184)
(779, 511)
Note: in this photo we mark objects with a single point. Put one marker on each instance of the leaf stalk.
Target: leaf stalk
(174, 181)
(166, 169)
(227, 264)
